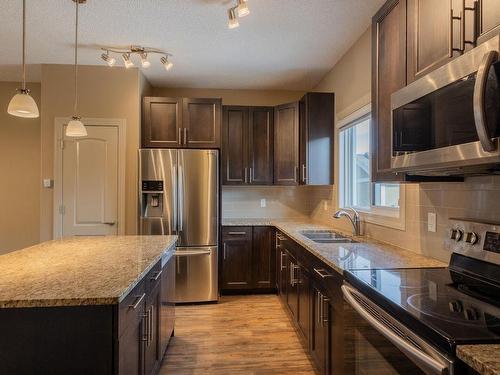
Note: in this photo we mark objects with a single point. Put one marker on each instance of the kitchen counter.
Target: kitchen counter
(485, 359)
(366, 253)
(79, 271)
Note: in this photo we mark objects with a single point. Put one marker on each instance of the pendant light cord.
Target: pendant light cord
(24, 43)
(76, 58)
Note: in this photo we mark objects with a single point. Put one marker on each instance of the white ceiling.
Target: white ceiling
(282, 44)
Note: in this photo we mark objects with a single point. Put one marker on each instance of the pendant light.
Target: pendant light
(22, 104)
(75, 127)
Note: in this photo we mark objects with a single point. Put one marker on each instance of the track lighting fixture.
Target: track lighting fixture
(126, 60)
(238, 11)
(233, 19)
(142, 52)
(166, 63)
(242, 8)
(110, 60)
(22, 104)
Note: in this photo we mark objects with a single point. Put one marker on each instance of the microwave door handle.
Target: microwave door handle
(479, 97)
(417, 355)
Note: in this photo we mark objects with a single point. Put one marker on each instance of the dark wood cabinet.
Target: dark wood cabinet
(286, 144)
(181, 123)
(320, 331)
(488, 18)
(130, 351)
(316, 131)
(247, 152)
(202, 122)
(162, 122)
(388, 75)
(304, 297)
(236, 257)
(263, 258)
(152, 356)
(292, 289)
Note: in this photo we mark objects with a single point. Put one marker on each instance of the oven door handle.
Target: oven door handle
(419, 357)
(478, 101)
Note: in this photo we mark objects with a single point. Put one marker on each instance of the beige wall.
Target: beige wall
(235, 97)
(478, 197)
(20, 171)
(103, 93)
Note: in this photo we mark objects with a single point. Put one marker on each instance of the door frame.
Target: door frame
(59, 123)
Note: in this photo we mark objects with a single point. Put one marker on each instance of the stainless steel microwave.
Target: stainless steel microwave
(448, 122)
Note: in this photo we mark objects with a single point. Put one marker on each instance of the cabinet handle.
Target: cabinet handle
(281, 260)
(185, 136)
(237, 233)
(224, 252)
(295, 173)
(137, 302)
(151, 324)
(155, 278)
(322, 273)
(250, 178)
(304, 176)
(145, 321)
(323, 320)
(180, 136)
(321, 309)
(246, 181)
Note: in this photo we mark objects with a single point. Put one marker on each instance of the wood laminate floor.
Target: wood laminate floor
(239, 335)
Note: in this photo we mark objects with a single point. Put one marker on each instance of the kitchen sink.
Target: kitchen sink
(326, 236)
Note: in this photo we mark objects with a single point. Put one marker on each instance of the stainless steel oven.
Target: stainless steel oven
(448, 122)
(377, 343)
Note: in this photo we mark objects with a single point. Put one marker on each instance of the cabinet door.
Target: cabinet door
(282, 272)
(234, 149)
(236, 257)
(286, 144)
(162, 122)
(489, 18)
(304, 315)
(388, 75)
(292, 297)
(433, 38)
(320, 331)
(202, 122)
(263, 266)
(260, 145)
(131, 349)
(152, 356)
(167, 306)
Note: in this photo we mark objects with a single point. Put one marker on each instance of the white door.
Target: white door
(90, 183)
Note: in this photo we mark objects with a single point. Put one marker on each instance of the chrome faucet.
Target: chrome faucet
(354, 219)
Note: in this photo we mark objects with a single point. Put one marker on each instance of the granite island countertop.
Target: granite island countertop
(485, 358)
(365, 253)
(79, 270)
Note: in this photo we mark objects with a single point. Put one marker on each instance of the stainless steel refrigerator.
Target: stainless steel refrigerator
(179, 194)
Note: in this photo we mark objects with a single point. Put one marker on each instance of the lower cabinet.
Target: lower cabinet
(320, 331)
(248, 260)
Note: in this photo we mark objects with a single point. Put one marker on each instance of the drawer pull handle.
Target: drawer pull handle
(137, 301)
(237, 233)
(158, 274)
(322, 273)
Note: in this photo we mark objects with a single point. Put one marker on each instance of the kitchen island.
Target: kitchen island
(99, 305)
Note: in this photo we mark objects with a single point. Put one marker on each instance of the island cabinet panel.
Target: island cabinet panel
(286, 144)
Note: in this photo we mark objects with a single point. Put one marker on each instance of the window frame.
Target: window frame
(384, 216)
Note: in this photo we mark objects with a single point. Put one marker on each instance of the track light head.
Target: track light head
(166, 63)
(126, 60)
(110, 60)
(144, 60)
(242, 8)
(233, 19)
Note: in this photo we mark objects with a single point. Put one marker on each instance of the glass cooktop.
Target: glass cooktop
(434, 303)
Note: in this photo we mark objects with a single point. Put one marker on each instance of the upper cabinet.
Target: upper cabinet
(316, 128)
(181, 122)
(247, 151)
(388, 75)
(286, 144)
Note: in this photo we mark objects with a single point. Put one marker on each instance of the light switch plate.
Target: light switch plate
(431, 222)
(48, 183)
(263, 202)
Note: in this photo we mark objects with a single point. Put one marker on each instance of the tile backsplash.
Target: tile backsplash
(478, 197)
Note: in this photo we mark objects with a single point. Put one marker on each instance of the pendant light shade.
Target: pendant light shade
(23, 105)
(75, 128)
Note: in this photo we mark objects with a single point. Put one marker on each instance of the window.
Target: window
(376, 200)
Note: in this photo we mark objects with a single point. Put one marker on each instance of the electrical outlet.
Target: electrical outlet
(263, 202)
(48, 183)
(431, 222)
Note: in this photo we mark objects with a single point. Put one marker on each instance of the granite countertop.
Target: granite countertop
(482, 358)
(366, 253)
(79, 270)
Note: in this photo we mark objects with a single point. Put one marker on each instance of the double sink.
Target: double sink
(326, 236)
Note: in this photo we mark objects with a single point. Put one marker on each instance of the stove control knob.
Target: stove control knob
(471, 238)
(455, 306)
(457, 234)
(471, 314)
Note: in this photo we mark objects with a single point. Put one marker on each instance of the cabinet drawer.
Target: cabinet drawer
(131, 309)
(236, 233)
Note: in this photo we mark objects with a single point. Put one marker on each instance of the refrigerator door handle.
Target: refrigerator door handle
(181, 197)
(175, 223)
